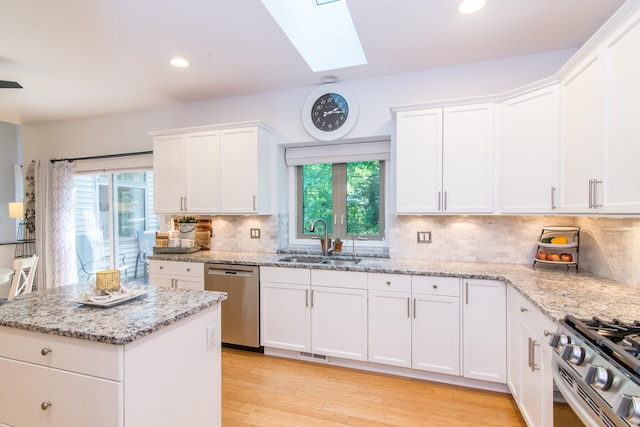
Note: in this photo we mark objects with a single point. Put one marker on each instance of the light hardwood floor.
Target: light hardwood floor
(262, 390)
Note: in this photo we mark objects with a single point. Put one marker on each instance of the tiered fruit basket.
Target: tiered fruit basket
(558, 246)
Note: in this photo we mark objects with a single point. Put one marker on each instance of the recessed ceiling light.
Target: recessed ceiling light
(471, 6)
(179, 62)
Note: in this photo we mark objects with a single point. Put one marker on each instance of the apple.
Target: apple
(553, 257)
(566, 257)
(542, 255)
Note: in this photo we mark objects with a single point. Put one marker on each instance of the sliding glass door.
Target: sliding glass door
(112, 213)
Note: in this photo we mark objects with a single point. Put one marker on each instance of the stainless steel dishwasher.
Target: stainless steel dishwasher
(241, 310)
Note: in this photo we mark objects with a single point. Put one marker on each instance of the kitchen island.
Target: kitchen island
(151, 361)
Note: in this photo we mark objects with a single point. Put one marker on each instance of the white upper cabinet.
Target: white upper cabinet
(213, 170)
(444, 160)
(529, 152)
(582, 141)
(186, 175)
(621, 189)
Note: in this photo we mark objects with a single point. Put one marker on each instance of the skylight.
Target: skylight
(321, 30)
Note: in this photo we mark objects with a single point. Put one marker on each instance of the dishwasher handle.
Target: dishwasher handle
(233, 273)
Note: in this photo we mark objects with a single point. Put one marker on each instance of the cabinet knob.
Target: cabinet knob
(388, 283)
(547, 333)
(45, 405)
(435, 286)
(161, 267)
(45, 351)
(188, 269)
(522, 309)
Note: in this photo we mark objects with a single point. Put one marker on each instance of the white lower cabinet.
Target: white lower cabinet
(285, 309)
(177, 274)
(390, 319)
(485, 330)
(529, 360)
(436, 324)
(317, 311)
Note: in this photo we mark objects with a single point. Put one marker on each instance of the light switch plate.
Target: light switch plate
(255, 233)
(424, 237)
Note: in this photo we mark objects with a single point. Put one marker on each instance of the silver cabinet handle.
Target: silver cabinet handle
(595, 193)
(45, 351)
(466, 293)
(312, 298)
(534, 366)
(188, 270)
(435, 286)
(547, 333)
(590, 194)
(162, 267)
(522, 309)
(45, 405)
(445, 201)
(529, 352)
(306, 297)
(553, 198)
(254, 202)
(409, 307)
(341, 219)
(335, 219)
(439, 200)
(388, 283)
(414, 308)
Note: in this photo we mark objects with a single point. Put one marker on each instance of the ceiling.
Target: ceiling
(79, 58)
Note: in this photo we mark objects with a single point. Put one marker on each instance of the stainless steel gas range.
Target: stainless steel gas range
(596, 367)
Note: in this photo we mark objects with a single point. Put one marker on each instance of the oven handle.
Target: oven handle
(571, 399)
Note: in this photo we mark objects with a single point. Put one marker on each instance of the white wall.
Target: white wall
(127, 132)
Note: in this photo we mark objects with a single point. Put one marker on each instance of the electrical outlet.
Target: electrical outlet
(255, 233)
(211, 337)
(424, 237)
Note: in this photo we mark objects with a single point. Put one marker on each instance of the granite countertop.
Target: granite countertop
(554, 290)
(50, 311)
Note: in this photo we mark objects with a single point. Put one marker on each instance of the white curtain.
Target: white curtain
(55, 222)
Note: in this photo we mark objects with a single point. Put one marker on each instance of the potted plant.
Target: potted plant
(337, 245)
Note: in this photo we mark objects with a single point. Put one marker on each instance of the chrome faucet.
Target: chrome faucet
(325, 248)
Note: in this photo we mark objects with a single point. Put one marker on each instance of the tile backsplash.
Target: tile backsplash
(609, 247)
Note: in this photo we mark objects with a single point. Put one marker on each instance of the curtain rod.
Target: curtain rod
(105, 156)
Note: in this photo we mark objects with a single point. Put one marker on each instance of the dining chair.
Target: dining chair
(23, 276)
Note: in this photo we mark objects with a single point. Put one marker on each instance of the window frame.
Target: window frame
(298, 237)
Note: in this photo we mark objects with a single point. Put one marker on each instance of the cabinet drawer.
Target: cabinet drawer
(71, 354)
(76, 400)
(430, 285)
(299, 276)
(390, 282)
(530, 314)
(339, 279)
(177, 268)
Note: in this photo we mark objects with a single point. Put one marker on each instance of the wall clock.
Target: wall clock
(330, 112)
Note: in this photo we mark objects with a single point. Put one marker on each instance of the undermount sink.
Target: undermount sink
(340, 261)
(319, 260)
(303, 259)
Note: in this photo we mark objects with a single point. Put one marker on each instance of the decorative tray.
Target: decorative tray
(108, 299)
(180, 250)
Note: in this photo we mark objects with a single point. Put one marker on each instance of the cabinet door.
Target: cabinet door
(285, 316)
(169, 169)
(162, 280)
(468, 154)
(530, 138)
(203, 173)
(190, 283)
(418, 164)
(339, 322)
(390, 328)
(583, 133)
(621, 189)
(485, 330)
(531, 385)
(239, 167)
(436, 334)
(76, 400)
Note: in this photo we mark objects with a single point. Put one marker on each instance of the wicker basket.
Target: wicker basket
(108, 280)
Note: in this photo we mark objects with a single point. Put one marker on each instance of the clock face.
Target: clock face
(329, 112)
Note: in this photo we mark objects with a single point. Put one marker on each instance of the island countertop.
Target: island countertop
(51, 311)
(556, 291)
